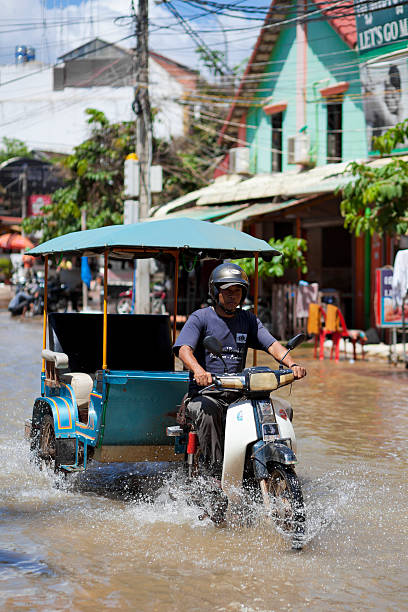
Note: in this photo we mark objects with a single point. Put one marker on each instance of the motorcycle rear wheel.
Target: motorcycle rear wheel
(283, 499)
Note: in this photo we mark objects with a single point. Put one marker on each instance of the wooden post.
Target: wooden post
(298, 235)
(105, 311)
(45, 307)
(256, 286)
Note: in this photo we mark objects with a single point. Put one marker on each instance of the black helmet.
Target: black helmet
(225, 275)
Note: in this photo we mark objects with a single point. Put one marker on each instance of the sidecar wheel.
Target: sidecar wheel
(50, 451)
(282, 496)
(47, 446)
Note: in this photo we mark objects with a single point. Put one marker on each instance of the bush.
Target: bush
(6, 268)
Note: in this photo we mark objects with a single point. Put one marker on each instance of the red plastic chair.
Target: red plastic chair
(336, 327)
(315, 324)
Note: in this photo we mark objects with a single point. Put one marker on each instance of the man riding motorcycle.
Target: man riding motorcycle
(237, 330)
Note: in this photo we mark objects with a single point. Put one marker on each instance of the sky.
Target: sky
(54, 27)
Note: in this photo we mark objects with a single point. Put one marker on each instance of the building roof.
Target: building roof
(342, 20)
(186, 76)
(97, 47)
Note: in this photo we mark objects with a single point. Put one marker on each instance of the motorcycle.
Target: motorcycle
(264, 311)
(26, 299)
(259, 446)
(157, 297)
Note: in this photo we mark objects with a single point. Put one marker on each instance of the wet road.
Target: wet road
(102, 543)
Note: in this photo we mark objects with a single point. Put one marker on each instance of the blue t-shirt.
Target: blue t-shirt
(236, 335)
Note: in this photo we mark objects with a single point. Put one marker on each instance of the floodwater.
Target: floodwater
(116, 539)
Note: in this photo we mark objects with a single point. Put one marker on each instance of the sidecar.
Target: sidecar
(120, 414)
(109, 387)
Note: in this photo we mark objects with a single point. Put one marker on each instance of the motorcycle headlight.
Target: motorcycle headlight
(262, 381)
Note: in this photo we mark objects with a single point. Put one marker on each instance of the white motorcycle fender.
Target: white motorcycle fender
(240, 430)
(285, 426)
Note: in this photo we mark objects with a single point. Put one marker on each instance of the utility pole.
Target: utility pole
(143, 146)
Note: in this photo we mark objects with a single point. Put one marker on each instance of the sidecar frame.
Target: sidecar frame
(109, 381)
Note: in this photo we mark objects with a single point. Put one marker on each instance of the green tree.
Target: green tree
(293, 256)
(376, 199)
(12, 147)
(188, 162)
(95, 182)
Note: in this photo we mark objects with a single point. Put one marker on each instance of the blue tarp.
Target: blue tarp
(200, 238)
(86, 275)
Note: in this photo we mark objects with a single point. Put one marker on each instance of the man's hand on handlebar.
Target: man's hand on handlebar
(298, 371)
(202, 378)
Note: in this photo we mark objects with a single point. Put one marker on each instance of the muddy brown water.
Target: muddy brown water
(121, 538)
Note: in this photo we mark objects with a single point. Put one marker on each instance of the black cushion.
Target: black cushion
(135, 342)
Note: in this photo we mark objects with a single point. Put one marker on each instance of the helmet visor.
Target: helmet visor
(226, 285)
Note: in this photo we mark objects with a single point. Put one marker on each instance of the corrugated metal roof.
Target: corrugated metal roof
(322, 179)
(255, 210)
(220, 185)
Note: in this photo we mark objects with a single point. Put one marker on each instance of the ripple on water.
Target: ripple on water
(12, 563)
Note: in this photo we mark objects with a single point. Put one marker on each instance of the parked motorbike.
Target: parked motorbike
(264, 311)
(157, 299)
(26, 299)
(259, 446)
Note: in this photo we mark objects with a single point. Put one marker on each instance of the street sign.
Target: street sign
(382, 27)
(386, 315)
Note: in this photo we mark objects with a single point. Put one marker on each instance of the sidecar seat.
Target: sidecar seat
(80, 382)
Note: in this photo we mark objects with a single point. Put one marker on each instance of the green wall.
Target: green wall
(329, 61)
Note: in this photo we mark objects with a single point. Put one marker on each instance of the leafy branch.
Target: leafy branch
(293, 256)
(376, 199)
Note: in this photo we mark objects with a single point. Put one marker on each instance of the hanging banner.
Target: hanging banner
(386, 315)
(385, 96)
(36, 203)
(382, 26)
(382, 41)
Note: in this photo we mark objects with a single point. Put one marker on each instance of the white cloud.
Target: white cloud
(54, 31)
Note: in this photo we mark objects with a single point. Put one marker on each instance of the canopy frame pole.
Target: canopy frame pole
(105, 311)
(45, 308)
(176, 274)
(256, 291)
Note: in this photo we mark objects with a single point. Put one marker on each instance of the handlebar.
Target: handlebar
(257, 379)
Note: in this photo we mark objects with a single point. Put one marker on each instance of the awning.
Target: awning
(204, 213)
(15, 242)
(236, 219)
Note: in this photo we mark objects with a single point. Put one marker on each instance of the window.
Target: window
(334, 132)
(276, 122)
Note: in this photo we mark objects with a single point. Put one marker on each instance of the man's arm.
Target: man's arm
(277, 351)
(201, 377)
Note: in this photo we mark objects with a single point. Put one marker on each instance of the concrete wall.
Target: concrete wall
(31, 111)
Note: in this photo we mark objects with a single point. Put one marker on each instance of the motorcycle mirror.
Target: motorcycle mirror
(295, 341)
(213, 345)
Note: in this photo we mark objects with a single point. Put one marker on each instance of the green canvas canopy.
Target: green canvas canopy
(200, 239)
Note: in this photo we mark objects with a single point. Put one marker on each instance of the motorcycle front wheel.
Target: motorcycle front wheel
(124, 306)
(283, 499)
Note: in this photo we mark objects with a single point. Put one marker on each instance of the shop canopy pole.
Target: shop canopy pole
(45, 307)
(176, 270)
(105, 311)
(256, 289)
